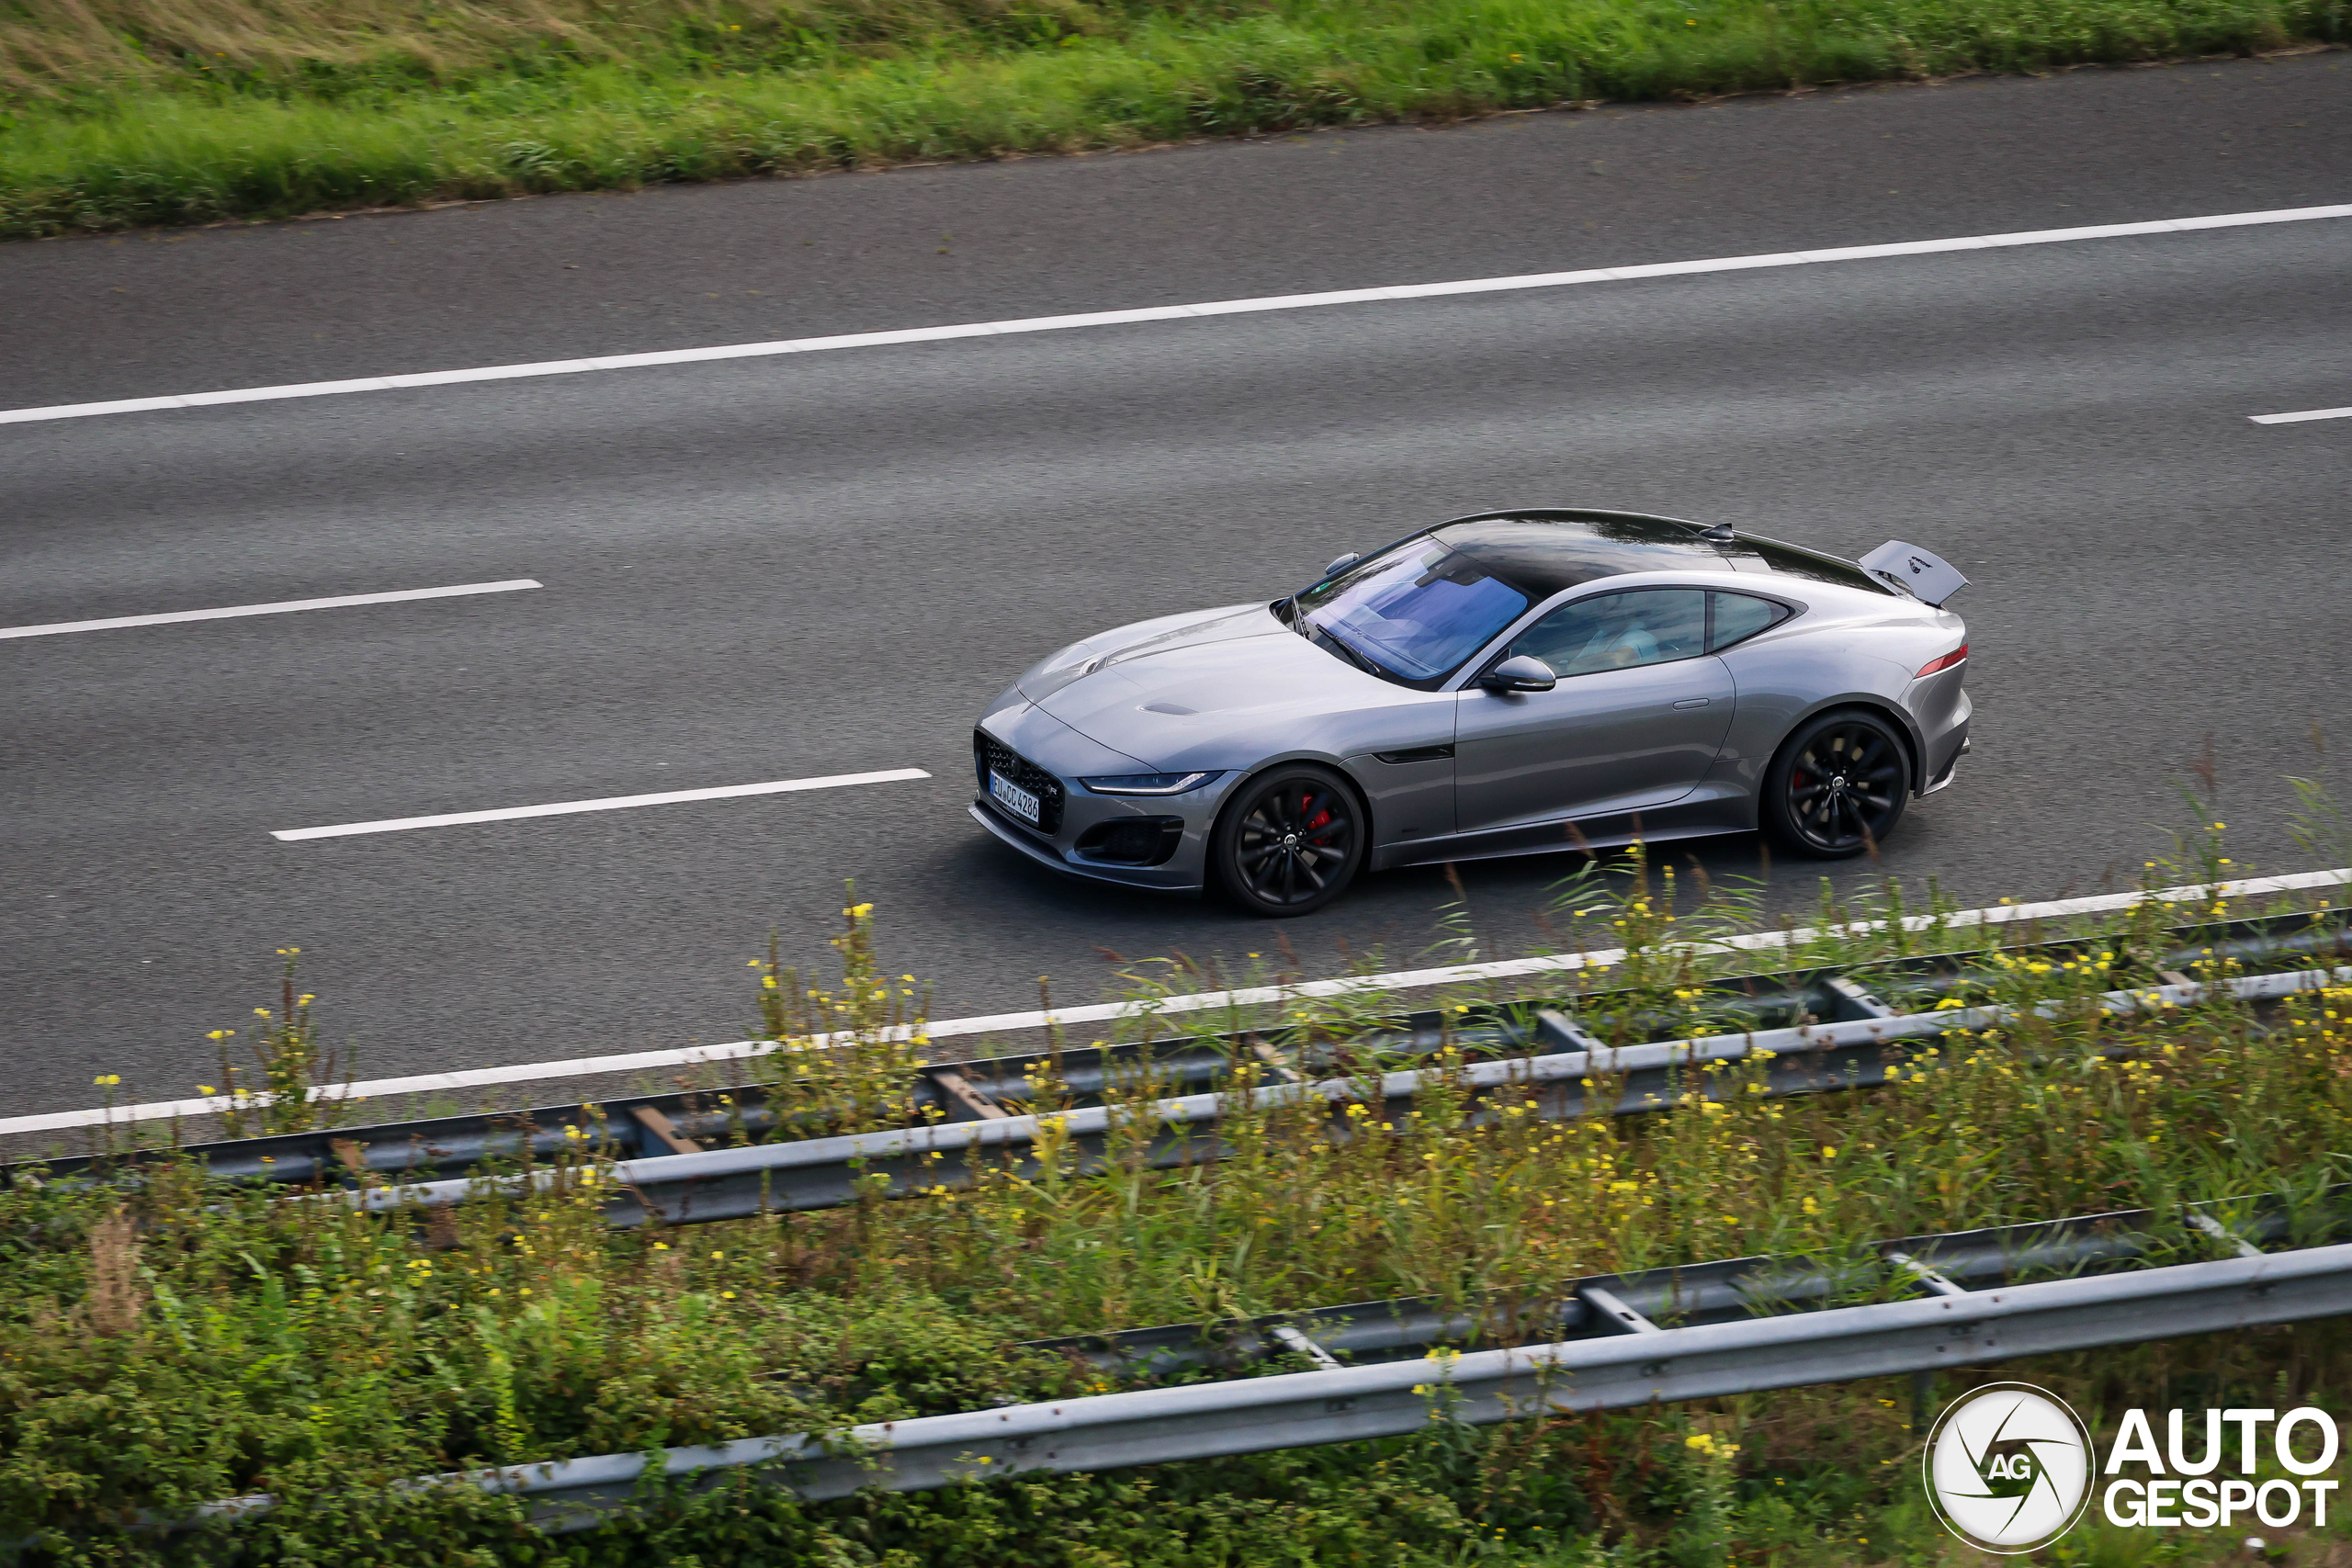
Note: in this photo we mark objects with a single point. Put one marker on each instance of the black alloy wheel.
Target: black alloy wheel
(1291, 839)
(1838, 785)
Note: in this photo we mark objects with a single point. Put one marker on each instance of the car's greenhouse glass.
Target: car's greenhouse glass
(1417, 613)
(1545, 554)
(1791, 562)
(1741, 616)
(1617, 631)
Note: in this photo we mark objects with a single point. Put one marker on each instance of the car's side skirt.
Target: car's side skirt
(1704, 811)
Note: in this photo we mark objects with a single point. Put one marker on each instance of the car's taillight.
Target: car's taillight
(1945, 662)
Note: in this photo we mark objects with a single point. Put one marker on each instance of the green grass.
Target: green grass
(190, 1343)
(161, 134)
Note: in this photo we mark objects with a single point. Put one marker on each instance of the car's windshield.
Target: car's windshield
(1417, 611)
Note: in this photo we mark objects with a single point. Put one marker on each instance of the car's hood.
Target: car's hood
(1082, 658)
(1223, 691)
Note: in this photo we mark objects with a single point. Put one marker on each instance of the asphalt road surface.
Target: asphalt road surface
(780, 569)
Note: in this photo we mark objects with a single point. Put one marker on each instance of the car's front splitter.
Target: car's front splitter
(1155, 878)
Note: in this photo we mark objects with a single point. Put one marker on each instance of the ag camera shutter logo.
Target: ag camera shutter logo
(2008, 1468)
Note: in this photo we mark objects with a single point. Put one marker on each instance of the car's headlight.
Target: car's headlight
(1151, 784)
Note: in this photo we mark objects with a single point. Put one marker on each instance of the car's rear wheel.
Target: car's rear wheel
(1290, 840)
(1838, 786)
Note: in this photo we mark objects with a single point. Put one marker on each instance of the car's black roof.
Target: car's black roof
(1546, 549)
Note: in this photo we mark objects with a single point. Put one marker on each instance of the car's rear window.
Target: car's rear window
(1791, 562)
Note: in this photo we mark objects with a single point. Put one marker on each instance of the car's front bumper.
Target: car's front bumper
(1043, 851)
(1046, 743)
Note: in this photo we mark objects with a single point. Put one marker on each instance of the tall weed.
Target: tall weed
(125, 112)
(190, 1340)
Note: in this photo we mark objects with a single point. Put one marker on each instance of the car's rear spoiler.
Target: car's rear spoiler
(1927, 577)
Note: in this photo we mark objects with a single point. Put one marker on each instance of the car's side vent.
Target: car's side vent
(1418, 754)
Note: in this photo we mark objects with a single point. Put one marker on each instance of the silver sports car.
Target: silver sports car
(1503, 684)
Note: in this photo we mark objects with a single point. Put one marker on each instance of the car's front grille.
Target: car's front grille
(992, 755)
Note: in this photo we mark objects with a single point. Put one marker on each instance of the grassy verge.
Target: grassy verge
(189, 1343)
(133, 113)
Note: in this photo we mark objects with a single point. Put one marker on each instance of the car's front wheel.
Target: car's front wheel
(1838, 786)
(1290, 840)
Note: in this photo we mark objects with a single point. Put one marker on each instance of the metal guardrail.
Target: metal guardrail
(1727, 1291)
(1610, 1351)
(1589, 1079)
(652, 1126)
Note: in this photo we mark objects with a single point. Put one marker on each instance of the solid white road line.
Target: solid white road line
(284, 606)
(648, 1061)
(1175, 313)
(610, 802)
(2299, 418)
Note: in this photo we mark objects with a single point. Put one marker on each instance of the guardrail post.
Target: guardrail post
(2200, 1220)
(1923, 1382)
(959, 1088)
(1613, 1310)
(1562, 1032)
(1924, 1275)
(1277, 1067)
(1292, 1339)
(662, 1128)
(1853, 1003)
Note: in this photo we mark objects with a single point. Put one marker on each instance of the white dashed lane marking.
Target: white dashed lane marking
(1177, 313)
(609, 803)
(284, 606)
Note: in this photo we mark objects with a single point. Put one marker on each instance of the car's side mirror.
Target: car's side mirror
(1520, 672)
(1341, 565)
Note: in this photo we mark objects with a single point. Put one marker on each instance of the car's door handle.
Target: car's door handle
(1691, 703)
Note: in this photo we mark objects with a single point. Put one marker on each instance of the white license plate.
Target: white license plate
(1014, 797)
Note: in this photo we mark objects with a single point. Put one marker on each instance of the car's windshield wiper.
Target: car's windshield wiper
(1322, 637)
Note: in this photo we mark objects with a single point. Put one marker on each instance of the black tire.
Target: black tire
(1838, 785)
(1289, 841)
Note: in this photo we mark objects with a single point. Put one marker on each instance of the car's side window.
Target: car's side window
(1741, 616)
(1617, 631)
